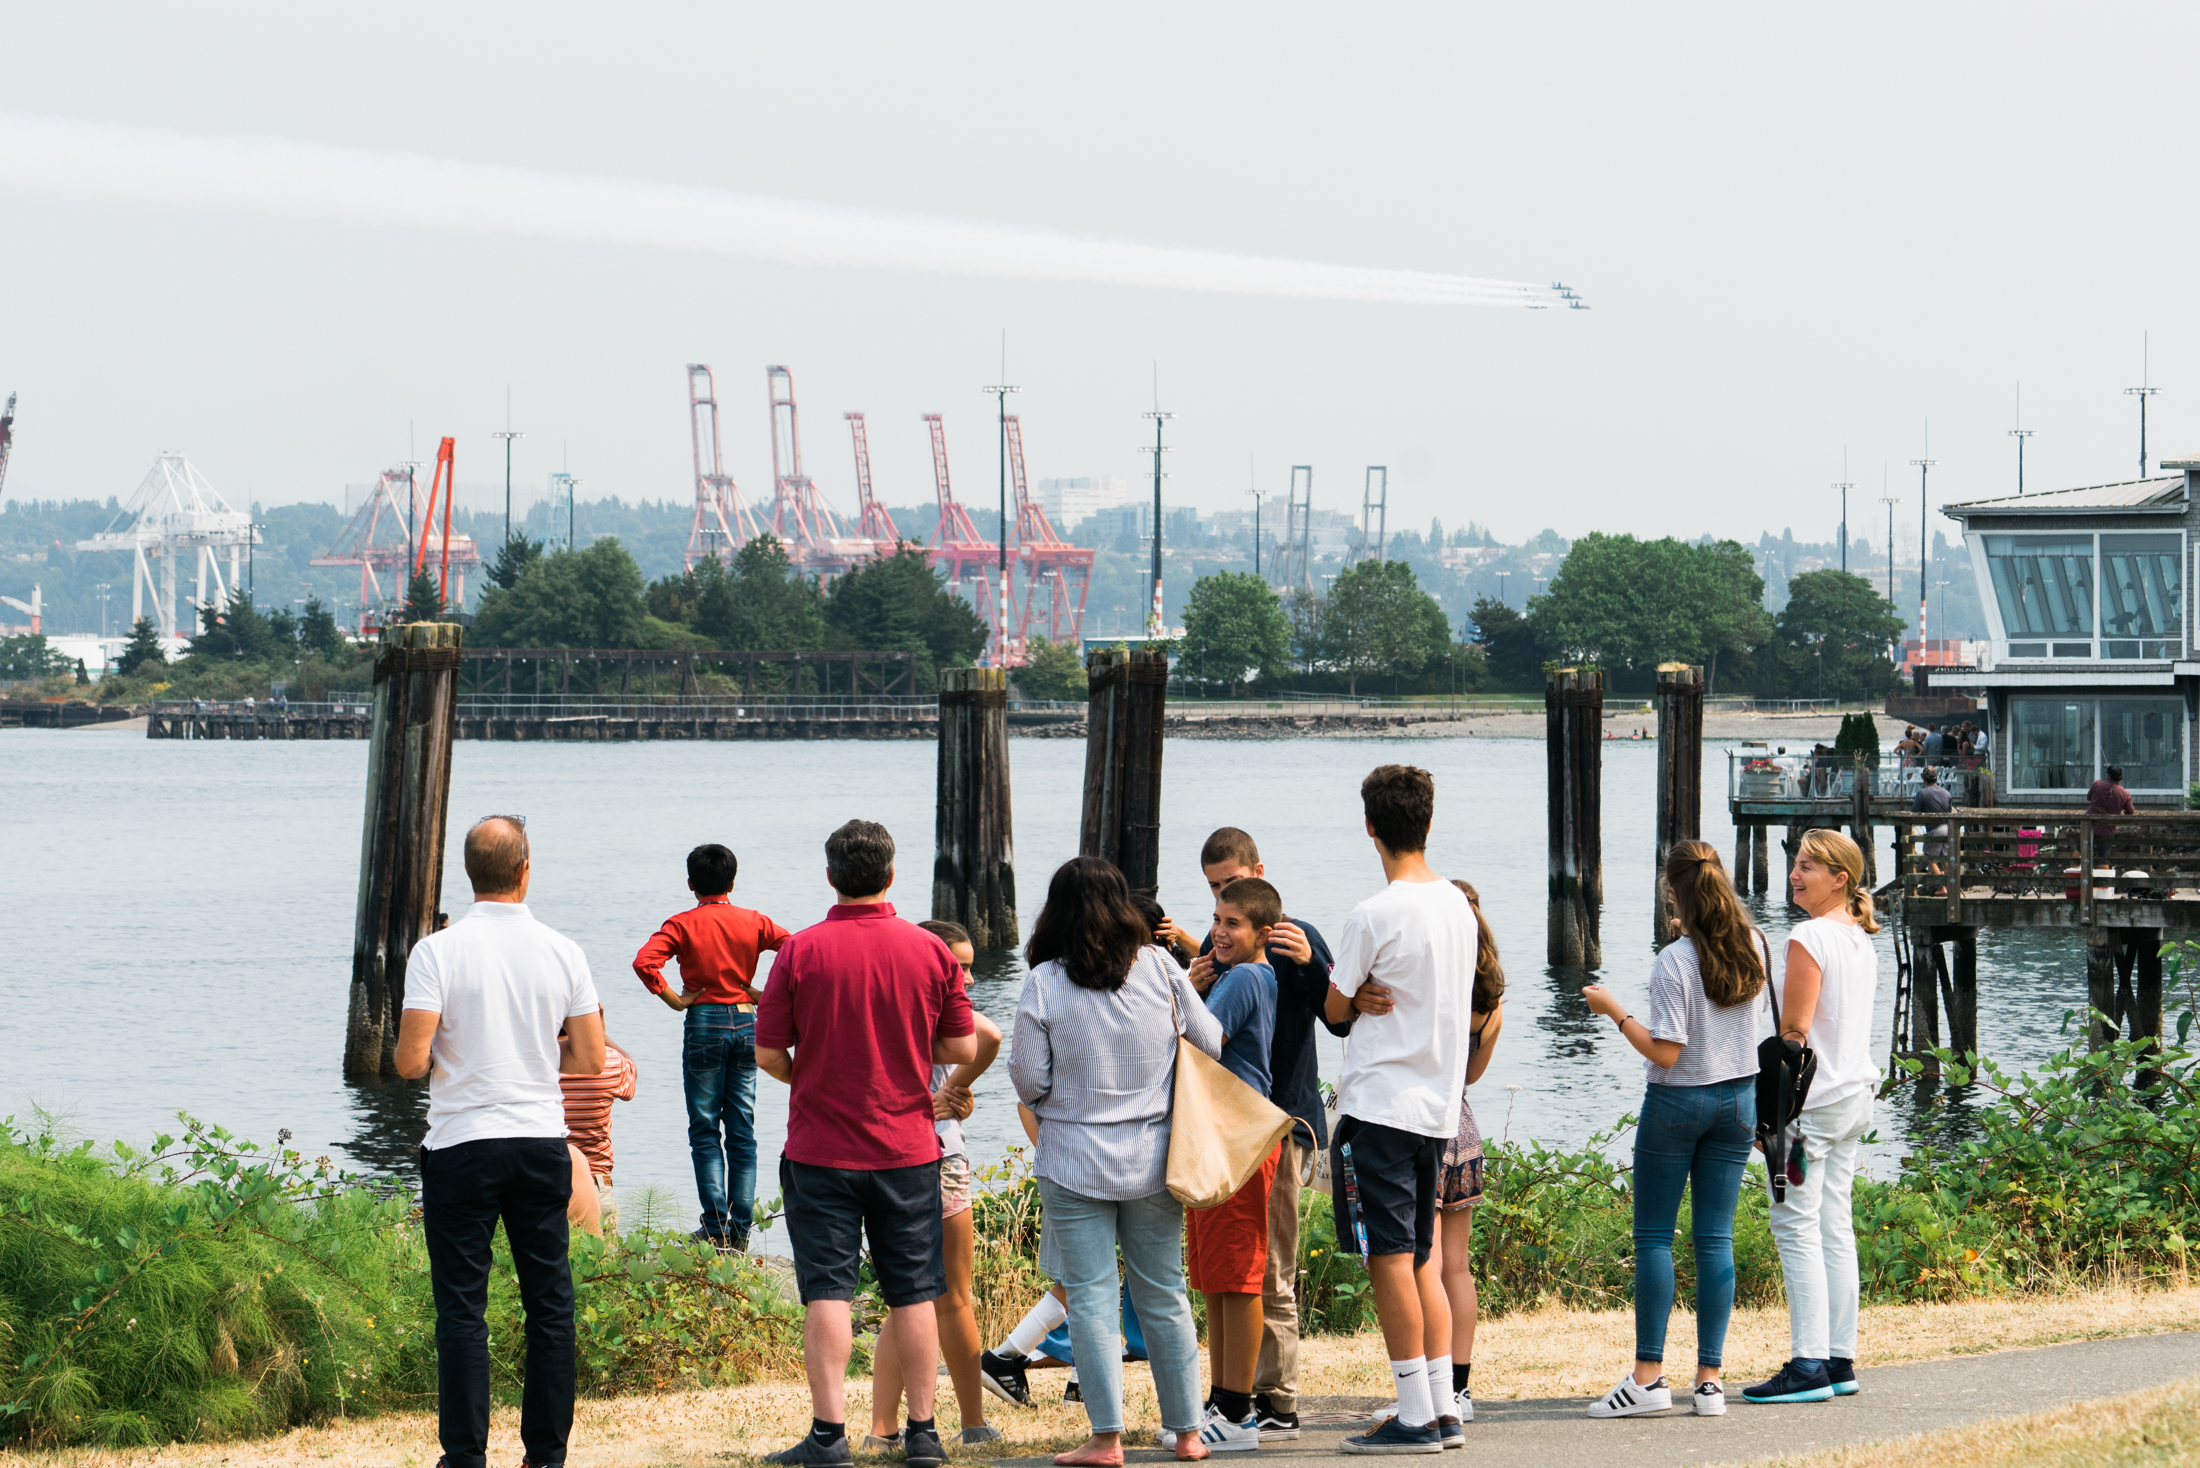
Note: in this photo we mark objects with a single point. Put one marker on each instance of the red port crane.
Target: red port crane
(874, 524)
(956, 547)
(723, 523)
(391, 535)
(1050, 564)
(800, 516)
(445, 484)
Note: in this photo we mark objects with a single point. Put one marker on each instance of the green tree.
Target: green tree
(1508, 643)
(1235, 630)
(899, 602)
(1832, 638)
(759, 606)
(422, 602)
(1377, 620)
(144, 648)
(586, 598)
(317, 630)
(29, 655)
(513, 558)
(1053, 670)
(236, 633)
(1630, 604)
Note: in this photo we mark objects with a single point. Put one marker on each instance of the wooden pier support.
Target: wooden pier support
(1742, 855)
(2146, 1013)
(1963, 992)
(401, 852)
(1860, 817)
(974, 868)
(1122, 815)
(1680, 776)
(2100, 985)
(1925, 987)
(1573, 742)
(1759, 848)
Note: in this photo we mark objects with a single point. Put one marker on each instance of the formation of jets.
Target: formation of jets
(1566, 292)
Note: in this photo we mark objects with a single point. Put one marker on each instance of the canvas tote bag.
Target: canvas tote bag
(1220, 1129)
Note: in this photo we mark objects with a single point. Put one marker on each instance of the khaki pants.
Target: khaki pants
(1277, 1375)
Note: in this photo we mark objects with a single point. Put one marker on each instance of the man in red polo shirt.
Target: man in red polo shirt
(716, 945)
(859, 1009)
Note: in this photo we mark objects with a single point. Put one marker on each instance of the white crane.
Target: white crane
(174, 513)
(35, 607)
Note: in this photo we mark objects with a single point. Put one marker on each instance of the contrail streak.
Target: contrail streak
(405, 190)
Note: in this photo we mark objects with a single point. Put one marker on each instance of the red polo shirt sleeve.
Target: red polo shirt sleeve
(649, 964)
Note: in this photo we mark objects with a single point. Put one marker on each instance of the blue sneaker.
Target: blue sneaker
(1793, 1383)
(1841, 1371)
(1392, 1436)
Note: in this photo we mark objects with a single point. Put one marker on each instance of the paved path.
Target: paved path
(1895, 1402)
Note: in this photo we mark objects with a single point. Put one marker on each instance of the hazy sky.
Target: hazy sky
(1798, 231)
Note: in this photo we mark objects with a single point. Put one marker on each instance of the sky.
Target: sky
(1801, 233)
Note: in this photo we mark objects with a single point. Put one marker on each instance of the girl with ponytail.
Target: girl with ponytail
(1698, 1120)
(1826, 1003)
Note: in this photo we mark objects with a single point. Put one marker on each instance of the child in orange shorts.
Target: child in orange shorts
(1226, 1248)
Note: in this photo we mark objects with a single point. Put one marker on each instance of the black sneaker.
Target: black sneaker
(920, 1448)
(1073, 1394)
(719, 1242)
(1452, 1431)
(810, 1453)
(1004, 1377)
(1275, 1426)
(1392, 1436)
(1841, 1371)
(1792, 1384)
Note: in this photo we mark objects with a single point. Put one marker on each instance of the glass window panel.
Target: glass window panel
(2028, 649)
(2142, 586)
(2052, 744)
(2147, 737)
(2043, 583)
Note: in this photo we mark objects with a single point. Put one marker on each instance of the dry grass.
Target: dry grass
(2155, 1427)
(1547, 1353)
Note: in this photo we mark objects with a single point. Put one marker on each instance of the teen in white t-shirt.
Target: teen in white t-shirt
(1825, 1001)
(1405, 1068)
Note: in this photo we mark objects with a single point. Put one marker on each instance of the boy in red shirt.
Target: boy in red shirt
(716, 945)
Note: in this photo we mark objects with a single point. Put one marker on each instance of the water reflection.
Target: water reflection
(388, 1121)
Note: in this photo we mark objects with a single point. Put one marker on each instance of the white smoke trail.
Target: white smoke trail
(308, 181)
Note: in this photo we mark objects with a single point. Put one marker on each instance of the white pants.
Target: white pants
(1816, 1231)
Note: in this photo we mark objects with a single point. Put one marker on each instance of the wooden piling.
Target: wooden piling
(1741, 856)
(2146, 1012)
(1963, 993)
(1680, 776)
(1122, 814)
(2100, 981)
(1760, 847)
(415, 722)
(1860, 816)
(973, 868)
(1573, 742)
(1932, 976)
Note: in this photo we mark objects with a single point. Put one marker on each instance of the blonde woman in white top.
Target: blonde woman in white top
(1826, 1002)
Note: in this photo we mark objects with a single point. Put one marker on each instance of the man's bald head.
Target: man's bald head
(496, 856)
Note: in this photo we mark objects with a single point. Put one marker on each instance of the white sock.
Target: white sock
(1440, 1394)
(1033, 1328)
(1415, 1407)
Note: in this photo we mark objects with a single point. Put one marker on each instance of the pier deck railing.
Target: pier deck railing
(1757, 775)
(2016, 866)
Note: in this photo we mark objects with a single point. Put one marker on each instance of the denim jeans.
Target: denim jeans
(1694, 1137)
(718, 1075)
(1816, 1230)
(464, 1190)
(1084, 1234)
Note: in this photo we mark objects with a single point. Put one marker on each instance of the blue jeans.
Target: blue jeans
(1699, 1137)
(718, 1075)
(1085, 1233)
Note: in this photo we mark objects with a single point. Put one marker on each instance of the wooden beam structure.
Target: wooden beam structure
(1680, 777)
(1123, 729)
(973, 868)
(1573, 743)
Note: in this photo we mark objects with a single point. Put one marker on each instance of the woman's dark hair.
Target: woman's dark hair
(1489, 972)
(1727, 956)
(1090, 923)
(1149, 911)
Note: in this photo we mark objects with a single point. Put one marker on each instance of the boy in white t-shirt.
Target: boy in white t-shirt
(1405, 1068)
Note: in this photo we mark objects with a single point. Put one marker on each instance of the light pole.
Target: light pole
(1000, 392)
(2142, 393)
(1924, 550)
(507, 435)
(1155, 627)
(104, 589)
(1844, 486)
(1890, 501)
(1504, 594)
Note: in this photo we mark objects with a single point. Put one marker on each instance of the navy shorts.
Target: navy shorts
(831, 1210)
(1394, 1174)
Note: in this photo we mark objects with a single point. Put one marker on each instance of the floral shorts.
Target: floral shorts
(954, 1185)
(1459, 1179)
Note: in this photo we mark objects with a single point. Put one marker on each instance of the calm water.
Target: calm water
(178, 915)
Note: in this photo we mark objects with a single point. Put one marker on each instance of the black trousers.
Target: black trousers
(464, 1190)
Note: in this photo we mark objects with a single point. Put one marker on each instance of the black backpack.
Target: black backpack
(1785, 1069)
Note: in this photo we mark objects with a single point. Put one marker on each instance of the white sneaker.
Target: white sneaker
(1465, 1410)
(1630, 1399)
(1709, 1399)
(1221, 1435)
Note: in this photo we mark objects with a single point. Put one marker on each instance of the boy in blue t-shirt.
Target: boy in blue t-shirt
(1226, 1248)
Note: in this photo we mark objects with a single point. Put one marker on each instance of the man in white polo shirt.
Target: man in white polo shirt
(484, 1001)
